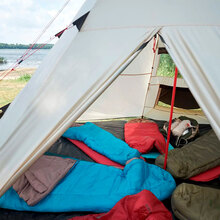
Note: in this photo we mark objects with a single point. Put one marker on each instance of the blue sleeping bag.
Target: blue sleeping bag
(102, 142)
(95, 187)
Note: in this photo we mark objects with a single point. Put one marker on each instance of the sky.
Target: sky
(22, 21)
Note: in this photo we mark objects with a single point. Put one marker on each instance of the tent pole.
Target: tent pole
(171, 116)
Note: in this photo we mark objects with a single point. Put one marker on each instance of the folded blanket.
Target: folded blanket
(142, 206)
(144, 136)
(102, 142)
(95, 187)
(194, 158)
(40, 179)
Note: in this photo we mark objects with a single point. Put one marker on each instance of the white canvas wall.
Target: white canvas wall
(125, 97)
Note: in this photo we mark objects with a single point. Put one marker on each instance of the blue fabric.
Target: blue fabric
(95, 187)
(154, 155)
(102, 142)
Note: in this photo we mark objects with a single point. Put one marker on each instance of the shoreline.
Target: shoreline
(18, 73)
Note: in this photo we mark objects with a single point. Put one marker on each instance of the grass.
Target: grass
(9, 90)
(24, 78)
(166, 66)
(11, 87)
(163, 104)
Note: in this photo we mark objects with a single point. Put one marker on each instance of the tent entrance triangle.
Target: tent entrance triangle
(159, 93)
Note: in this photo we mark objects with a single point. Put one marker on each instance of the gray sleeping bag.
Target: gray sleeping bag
(194, 202)
(194, 158)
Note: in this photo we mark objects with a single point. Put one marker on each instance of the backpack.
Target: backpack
(183, 130)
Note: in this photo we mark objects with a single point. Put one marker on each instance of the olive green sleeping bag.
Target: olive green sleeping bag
(192, 202)
(194, 158)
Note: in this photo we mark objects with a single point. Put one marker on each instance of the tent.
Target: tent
(106, 69)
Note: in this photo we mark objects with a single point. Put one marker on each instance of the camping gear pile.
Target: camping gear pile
(105, 67)
(88, 186)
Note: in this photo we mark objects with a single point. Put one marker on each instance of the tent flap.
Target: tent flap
(48, 105)
(195, 50)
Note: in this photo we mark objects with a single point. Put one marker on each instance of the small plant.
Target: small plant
(24, 78)
(2, 60)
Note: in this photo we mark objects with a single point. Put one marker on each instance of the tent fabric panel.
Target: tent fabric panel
(146, 13)
(151, 96)
(80, 76)
(129, 90)
(143, 63)
(195, 50)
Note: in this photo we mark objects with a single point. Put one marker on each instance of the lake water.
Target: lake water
(12, 55)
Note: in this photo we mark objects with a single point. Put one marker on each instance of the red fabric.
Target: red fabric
(207, 175)
(171, 116)
(99, 158)
(144, 136)
(141, 206)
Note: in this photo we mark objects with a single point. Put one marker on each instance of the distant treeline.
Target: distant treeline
(23, 46)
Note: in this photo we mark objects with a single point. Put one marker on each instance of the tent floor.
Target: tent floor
(64, 147)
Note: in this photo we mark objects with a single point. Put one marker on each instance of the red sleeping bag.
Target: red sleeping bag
(144, 136)
(141, 206)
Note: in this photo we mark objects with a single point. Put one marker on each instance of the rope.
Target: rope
(154, 46)
(44, 30)
(25, 55)
(38, 48)
(171, 116)
(18, 63)
(30, 54)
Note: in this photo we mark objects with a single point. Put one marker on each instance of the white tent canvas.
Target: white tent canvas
(93, 63)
